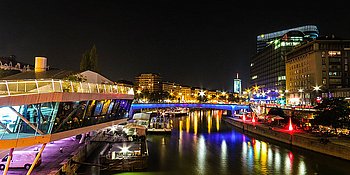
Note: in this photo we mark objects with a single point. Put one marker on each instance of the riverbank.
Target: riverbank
(333, 146)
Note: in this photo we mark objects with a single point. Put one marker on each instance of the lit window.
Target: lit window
(334, 53)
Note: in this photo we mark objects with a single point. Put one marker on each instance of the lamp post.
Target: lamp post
(316, 88)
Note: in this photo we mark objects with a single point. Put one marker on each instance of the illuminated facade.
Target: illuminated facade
(171, 88)
(264, 40)
(237, 86)
(149, 81)
(43, 106)
(319, 67)
(185, 92)
(267, 68)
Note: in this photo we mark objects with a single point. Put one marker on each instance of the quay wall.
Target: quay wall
(299, 140)
(69, 165)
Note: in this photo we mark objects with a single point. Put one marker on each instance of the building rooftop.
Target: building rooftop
(49, 74)
(307, 28)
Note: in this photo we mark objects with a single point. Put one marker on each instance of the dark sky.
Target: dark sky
(196, 43)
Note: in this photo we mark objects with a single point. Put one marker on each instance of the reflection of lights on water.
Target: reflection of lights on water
(244, 153)
(209, 123)
(223, 155)
(201, 154)
(250, 153)
(195, 124)
(180, 126)
(269, 157)
(289, 162)
(277, 160)
(188, 124)
(290, 155)
(257, 148)
(263, 154)
(302, 167)
(163, 141)
(244, 149)
(180, 138)
(223, 149)
(217, 123)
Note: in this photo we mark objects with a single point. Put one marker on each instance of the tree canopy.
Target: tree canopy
(89, 60)
(333, 112)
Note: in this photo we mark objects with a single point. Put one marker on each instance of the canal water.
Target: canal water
(202, 143)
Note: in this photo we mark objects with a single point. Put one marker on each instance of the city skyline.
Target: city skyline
(202, 45)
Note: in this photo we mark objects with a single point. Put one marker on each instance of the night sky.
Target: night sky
(196, 43)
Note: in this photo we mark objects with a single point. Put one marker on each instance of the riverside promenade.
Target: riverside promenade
(51, 157)
(334, 146)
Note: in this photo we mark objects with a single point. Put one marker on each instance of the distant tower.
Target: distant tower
(237, 85)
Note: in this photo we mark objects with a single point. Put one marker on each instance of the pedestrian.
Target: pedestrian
(61, 149)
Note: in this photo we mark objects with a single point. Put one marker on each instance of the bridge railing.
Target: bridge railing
(22, 87)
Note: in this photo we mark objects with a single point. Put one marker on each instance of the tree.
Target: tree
(89, 60)
(158, 96)
(93, 58)
(333, 112)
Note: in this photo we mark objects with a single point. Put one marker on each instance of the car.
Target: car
(21, 159)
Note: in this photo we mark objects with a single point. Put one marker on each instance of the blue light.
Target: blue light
(136, 106)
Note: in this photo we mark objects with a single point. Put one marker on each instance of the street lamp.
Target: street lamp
(202, 93)
(256, 88)
(317, 88)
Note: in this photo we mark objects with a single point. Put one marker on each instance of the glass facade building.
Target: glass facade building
(267, 68)
(53, 117)
(263, 40)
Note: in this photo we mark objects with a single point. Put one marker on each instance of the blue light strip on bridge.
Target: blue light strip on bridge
(232, 107)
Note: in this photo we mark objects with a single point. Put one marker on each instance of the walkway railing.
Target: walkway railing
(23, 87)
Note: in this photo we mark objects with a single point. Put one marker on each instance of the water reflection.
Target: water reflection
(223, 156)
(201, 152)
(201, 143)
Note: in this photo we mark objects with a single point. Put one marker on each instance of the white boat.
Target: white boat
(160, 124)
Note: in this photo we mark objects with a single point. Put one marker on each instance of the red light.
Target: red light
(290, 128)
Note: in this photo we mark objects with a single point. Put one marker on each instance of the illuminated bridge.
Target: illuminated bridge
(45, 110)
(228, 107)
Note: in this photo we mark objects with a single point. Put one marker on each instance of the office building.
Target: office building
(148, 81)
(264, 40)
(318, 68)
(267, 68)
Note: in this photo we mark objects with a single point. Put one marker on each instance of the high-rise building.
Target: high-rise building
(148, 81)
(237, 85)
(318, 68)
(263, 40)
(267, 68)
